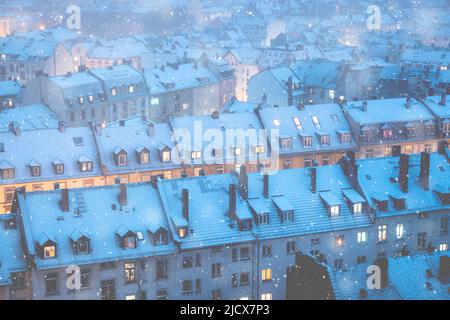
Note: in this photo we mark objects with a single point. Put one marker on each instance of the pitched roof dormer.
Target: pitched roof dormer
(35, 168)
(127, 237)
(142, 155)
(81, 243)
(46, 247)
(120, 156)
(164, 153)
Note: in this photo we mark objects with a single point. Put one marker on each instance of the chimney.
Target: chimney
(151, 130)
(123, 198)
(408, 103)
(313, 173)
(425, 170)
(444, 269)
(266, 185)
(15, 128)
(404, 172)
(264, 98)
(443, 100)
(364, 106)
(61, 126)
(243, 183)
(232, 201)
(185, 203)
(290, 94)
(383, 264)
(64, 202)
(215, 114)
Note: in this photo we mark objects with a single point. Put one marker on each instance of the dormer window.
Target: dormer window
(244, 224)
(388, 134)
(58, 166)
(85, 163)
(332, 202)
(164, 153)
(143, 155)
(35, 169)
(47, 247)
(182, 233)
(7, 170)
(399, 202)
(344, 136)
(446, 128)
(81, 243)
(284, 208)
(410, 130)
(120, 156)
(127, 238)
(161, 237)
(285, 142)
(325, 139)
(354, 200)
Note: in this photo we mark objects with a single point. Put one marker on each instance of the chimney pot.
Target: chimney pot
(61, 126)
(383, 264)
(408, 103)
(443, 101)
(151, 130)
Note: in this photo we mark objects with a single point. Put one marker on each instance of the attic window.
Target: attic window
(78, 141)
(316, 122)
(182, 233)
(114, 91)
(82, 246)
(129, 242)
(49, 251)
(297, 123)
(325, 139)
(85, 164)
(161, 237)
(35, 169)
(388, 134)
(334, 210)
(196, 155)
(131, 88)
(276, 122)
(143, 156)
(121, 157)
(286, 143)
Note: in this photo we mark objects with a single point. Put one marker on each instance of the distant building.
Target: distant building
(10, 94)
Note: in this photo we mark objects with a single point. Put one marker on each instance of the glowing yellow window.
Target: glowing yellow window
(49, 252)
(266, 274)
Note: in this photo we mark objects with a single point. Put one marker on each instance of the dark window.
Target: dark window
(51, 283)
(234, 280)
(19, 280)
(161, 269)
(421, 240)
(290, 247)
(216, 294)
(444, 225)
(215, 270)
(85, 276)
(234, 255)
(82, 246)
(187, 262)
(267, 250)
(187, 287)
(361, 259)
(108, 290)
(162, 294)
(245, 278)
(107, 265)
(245, 253)
(198, 285)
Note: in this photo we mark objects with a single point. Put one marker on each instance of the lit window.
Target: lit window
(113, 91)
(130, 297)
(182, 232)
(185, 106)
(196, 154)
(443, 247)
(122, 160)
(286, 143)
(297, 123)
(130, 272)
(357, 207)
(266, 296)
(276, 122)
(237, 151)
(316, 122)
(260, 149)
(81, 100)
(399, 231)
(91, 99)
(382, 233)
(129, 242)
(154, 101)
(131, 89)
(334, 211)
(325, 139)
(166, 156)
(266, 274)
(307, 141)
(362, 237)
(49, 252)
(144, 157)
(340, 241)
(331, 94)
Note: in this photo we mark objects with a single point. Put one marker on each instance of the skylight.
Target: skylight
(316, 122)
(297, 123)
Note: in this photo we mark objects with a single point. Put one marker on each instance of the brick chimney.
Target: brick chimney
(313, 174)
(185, 203)
(364, 106)
(266, 185)
(444, 269)
(123, 196)
(64, 201)
(215, 114)
(290, 93)
(408, 103)
(443, 101)
(404, 172)
(232, 201)
(425, 170)
(243, 183)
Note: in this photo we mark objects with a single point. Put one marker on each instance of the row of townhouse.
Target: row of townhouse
(107, 94)
(138, 150)
(230, 236)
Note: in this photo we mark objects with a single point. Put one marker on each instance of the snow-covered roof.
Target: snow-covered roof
(30, 117)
